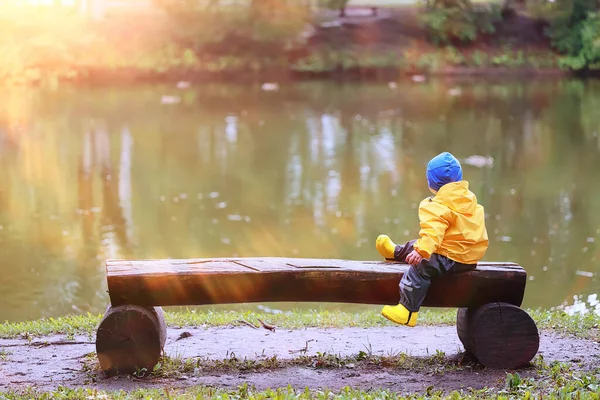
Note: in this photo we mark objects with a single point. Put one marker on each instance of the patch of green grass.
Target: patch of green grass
(4, 355)
(172, 367)
(87, 324)
(583, 326)
(70, 325)
(302, 318)
(551, 381)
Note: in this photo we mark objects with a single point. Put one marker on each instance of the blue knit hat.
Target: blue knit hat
(442, 169)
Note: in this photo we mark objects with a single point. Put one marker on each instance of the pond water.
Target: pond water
(309, 170)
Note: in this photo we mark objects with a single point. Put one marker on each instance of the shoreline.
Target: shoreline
(129, 77)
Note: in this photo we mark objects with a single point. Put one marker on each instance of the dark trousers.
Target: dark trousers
(416, 281)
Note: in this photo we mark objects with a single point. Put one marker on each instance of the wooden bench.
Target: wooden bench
(490, 324)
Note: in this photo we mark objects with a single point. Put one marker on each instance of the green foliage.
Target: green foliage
(254, 29)
(509, 59)
(479, 58)
(428, 62)
(457, 21)
(454, 57)
(44, 41)
(575, 32)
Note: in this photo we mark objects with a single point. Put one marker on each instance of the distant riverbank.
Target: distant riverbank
(58, 47)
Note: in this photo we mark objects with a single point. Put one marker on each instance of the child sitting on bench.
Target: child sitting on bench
(452, 234)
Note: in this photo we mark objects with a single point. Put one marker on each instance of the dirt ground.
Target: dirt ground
(46, 366)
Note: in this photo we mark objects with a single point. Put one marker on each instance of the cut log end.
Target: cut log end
(499, 335)
(130, 338)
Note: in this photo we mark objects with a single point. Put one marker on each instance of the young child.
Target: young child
(452, 234)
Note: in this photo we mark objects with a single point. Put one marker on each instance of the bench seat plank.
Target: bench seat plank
(175, 282)
(246, 280)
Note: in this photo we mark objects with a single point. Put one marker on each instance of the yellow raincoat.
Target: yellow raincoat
(452, 225)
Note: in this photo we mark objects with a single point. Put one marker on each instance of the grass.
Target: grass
(548, 381)
(4, 355)
(178, 367)
(582, 326)
(87, 324)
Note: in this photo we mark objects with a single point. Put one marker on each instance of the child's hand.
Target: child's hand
(414, 258)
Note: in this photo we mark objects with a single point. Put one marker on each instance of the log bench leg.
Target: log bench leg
(129, 338)
(499, 335)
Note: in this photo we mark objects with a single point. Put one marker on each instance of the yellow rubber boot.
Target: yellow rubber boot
(385, 247)
(400, 315)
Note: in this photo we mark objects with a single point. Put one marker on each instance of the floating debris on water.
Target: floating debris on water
(479, 162)
(213, 195)
(225, 240)
(590, 240)
(392, 85)
(531, 277)
(587, 274)
(331, 24)
(513, 191)
(269, 310)
(418, 78)
(183, 196)
(235, 217)
(505, 238)
(545, 268)
(170, 100)
(222, 205)
(183, 85)
(455, 92)
(270, 86)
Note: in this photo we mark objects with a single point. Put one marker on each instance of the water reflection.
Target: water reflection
(311, 170)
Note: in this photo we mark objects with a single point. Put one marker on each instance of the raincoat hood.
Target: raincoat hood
(457, 197)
